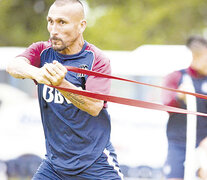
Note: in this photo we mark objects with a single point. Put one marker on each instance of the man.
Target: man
(176, 127)
(77, 128)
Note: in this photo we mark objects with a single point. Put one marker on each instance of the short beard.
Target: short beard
(61, 48)
(58, 47)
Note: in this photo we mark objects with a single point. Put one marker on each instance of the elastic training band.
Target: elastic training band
(97, 74)
(127, 101)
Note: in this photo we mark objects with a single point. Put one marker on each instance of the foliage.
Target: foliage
(22, 22)
(119, 25)
(131, 23)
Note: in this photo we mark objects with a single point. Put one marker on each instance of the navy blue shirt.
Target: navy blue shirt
(74, 139)
(176, 127)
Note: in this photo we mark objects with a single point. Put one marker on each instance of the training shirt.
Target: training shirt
(176, 126)
(74, 139)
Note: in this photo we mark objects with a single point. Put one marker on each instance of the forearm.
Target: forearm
(20, 68)
(89, 105)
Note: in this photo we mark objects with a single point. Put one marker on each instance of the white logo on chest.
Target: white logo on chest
(204, 87)
(51, 94)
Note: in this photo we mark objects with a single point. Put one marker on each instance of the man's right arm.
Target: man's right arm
(27, 65)
(20, 67)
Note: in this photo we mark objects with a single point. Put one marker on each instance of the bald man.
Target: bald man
(77, 128)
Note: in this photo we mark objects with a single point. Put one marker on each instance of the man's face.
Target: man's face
(201, 62)
(64, 25)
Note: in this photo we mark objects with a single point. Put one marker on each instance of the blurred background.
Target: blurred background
(144, 40)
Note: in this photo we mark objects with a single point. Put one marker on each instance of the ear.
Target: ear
(82, 26)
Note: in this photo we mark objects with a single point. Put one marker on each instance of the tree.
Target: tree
(128, 24)
(23, 22)
(119, 25)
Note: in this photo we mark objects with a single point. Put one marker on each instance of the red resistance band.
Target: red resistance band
(126, 101)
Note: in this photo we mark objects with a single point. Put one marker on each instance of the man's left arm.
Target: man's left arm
(90, 105)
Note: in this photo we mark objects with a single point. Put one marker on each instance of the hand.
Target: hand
(51, 74)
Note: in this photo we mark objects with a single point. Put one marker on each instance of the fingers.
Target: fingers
(41, 78)
(49, 74)
(62, 68)
(52, 73)
(50, 69)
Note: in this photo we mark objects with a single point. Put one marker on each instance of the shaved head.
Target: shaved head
(66, 24)
(65, 2)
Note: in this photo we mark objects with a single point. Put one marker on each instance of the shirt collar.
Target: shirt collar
(193, 73)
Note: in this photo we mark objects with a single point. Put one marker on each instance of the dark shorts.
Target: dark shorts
(104, 168)
(174, 166)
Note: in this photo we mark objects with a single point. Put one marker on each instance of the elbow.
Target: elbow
(9, 68)
(95, 111)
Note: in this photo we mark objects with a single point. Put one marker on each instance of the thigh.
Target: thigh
(174, 166)
(45, 172)
(105, 167)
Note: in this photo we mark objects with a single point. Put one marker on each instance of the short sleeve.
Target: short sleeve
(96, 84)
(171, 81)
(33, 52)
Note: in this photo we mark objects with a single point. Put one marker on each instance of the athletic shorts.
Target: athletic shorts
(104, 168)
(174, 166)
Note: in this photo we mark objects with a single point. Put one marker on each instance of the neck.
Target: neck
(198, 67)
(75, 47)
